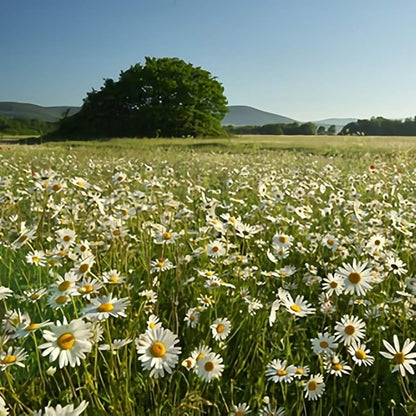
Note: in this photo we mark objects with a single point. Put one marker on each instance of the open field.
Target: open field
(191, 277)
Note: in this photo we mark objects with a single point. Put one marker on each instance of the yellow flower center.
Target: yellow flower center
(337, 367)
(330, 241)
(8, 359)
(360, 354)
(57, 187)
(66, 341)
(349, 329)
(113, 279)
(160, 264)
(60, 300)
(158, 349)
(83, 268)
(312, 385)
(220, 328)
(333, 284)
(34, 296)
(215, 249)
(88, 288)
(22, 239)
(283, 239)
(65, 285)
(200, 356)
(323, 344)
(354, 278)
(399, 358)
(32, 327)
(281, 372)
(209, 366)
(299, 371)
(67, 238)
(35, 259)
(166, 235)
(105, 307)
(117, 232)
(295, 308)
(152, 325)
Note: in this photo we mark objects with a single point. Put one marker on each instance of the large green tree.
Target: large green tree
(164, 97)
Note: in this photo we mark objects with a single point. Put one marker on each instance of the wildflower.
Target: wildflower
(189, 363)
(66, 237)
(68, 410)
(314, 387)
(33, 295)
(192, 317)
(349, 328)
(13, 356)
(115, 345)
(241, 409)
(324, 343)
(360, 354)
(68, 341)
(104, 307)
(333, 284)
(335, 366)
(216, 249)
(278, 371)
(5, 292)
(282, 240)
(269, 410)
(88, 286)
(396, 265)
(403, 358)
(157, 351)
(161, 265)
(25, 328)
(221, 329)
(4, 411)
(298, 307)
(84, 265)
(113, 277)
(153, 322)
(356, 277)
(210, 367)
(36, 257)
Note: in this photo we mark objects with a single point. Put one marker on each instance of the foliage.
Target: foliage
(165, 97)
(25, 126)
(275, 128)
(379, 126)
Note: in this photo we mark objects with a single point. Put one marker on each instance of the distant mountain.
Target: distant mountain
(242, 115)
(26, 110)
(335, 121)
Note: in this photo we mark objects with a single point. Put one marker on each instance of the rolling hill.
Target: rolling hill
(25, 110)
(239, 115)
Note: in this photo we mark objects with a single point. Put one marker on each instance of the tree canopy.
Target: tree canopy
(164, 97)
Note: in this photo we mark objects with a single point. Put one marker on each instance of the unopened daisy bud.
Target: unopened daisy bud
(189, 363)
(51, 371)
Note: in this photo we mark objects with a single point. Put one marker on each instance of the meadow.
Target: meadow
(265, 275)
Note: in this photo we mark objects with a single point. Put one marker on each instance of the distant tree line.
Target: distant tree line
(25, 126)
(379, 126)
(275, 129)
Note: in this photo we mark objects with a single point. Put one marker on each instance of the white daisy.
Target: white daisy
(349, 328)
(314, 387)
(278, 371)
(324, 343)
(67, 410)
(104, 307)
(360, 354)
(221, 328)
(298, 307)
(357, 278)
(13, 356)
(157, 351)
(403, 358)
(68, 341)
(210, 367)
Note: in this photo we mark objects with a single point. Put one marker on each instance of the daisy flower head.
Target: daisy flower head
(314, 387)
(192, 317)
(360, 354)
(113, 277)
(282, 240)
(67, 410)
(333, 284)
(324, 343)
(240, 409)
(33, 295)
(4, 411)
(200, 352)
(36, 257)
(5, 292)
(210, 367)
(221, 328)
(357, 277)
(215, 249)
(278, 371)
(403, 358)
(349, 328)
(153, 322)
(269, 410)
(298, 307)
(104, 307)
(13, 356)
(335, 366)
(115, 345)
(67, 341)
(66, 237)
(157, 351)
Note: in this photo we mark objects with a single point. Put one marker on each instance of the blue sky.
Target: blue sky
(303, 59)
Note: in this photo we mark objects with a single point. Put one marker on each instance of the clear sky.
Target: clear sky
(304, 59)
